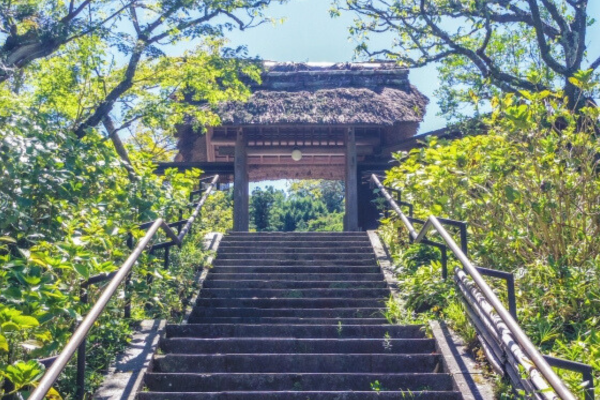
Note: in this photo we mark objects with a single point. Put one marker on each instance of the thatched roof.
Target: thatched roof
(348, 93)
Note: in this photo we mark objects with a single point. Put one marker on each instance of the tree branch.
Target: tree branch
(120, 149)
(107, 104)
(556, 15)
(73, 13)
(595, 64)
(486, 66)
(542, 43)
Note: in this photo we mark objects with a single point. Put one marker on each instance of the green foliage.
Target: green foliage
(261, 203)
(78, 42)
(530, 192)
(70, 86)
(418, 256)
(329, 192)
(313, 205)
(67, 206)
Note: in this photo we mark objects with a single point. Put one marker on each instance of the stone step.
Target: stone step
(300, 395)
(190, 382)
(295, 331)
(293, 345)
(348, 276)
(294, 293)
(313, 256)
(281, 284)
(251, 312)
(279, 235)
(290, 303)
(267, 262)
(285, 320)
(227, 243)
(291, 248)
(295, 242)
(313, 363)
(231, 267)
(295, 316)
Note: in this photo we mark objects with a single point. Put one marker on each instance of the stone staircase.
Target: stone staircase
(295, 316)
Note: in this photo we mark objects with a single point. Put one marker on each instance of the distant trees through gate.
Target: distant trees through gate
(305, 205)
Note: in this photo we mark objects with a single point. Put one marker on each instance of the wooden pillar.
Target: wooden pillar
(351, 217)
(240, 184)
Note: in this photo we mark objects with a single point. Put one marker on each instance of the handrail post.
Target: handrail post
(512, 298)
(166, 260)
(81, 355)
(444, 252)
(463, 239)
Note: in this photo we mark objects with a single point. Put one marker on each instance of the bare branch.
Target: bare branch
(556, 15)
(486, 65)
(73, 13)
(595, 64)
(185, 25)
(105, 107)
(541, 39)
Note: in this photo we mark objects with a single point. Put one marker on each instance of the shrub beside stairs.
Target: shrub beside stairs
(295, 316)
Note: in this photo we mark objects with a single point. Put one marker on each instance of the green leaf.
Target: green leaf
(9, 327)
(13, 292)
(25, 321)
(3, 344)
(31, 344)
(511, 193)
(23, 373)
(83, 270)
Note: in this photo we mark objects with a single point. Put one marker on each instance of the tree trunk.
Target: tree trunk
(576, 100)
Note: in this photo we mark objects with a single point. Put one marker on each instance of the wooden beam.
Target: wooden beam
(210, 148)
(218, 140)
(240, 184)
(351, 217)
(289, 163)
(209, 168)
(286, 151)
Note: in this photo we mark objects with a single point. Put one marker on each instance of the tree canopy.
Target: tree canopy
(483, 46)
(93, 63)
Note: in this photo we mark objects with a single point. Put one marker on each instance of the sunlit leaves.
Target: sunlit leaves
(169, 89)
(529, 190)
(23, 373)
(584, 80)
(69, 205)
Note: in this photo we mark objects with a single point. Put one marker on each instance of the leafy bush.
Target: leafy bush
(530, 192)
(67, 206)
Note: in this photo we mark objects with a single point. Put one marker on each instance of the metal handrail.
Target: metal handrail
(80, 334)
(526, 345)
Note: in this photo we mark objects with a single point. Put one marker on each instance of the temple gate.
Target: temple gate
(310, 121)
